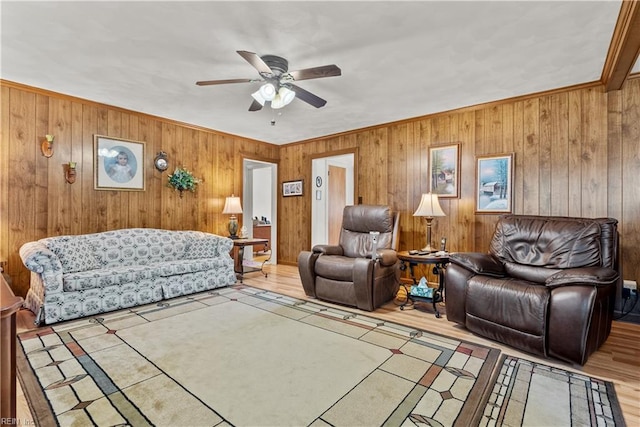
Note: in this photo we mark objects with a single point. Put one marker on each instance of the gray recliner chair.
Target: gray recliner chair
(363, 269)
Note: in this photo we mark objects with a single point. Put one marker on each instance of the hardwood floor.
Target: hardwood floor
(618, 360)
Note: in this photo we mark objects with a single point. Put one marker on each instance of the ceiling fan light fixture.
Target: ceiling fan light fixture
(258, 97)
(284, 97)
(286, 94)
(268, 91)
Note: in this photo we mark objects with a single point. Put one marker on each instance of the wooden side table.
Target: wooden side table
(439, 264)
(238, 246)
(9, 305)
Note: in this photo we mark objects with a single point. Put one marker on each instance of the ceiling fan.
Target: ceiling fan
(278, 87)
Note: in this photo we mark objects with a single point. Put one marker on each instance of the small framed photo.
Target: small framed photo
(493, 184)
(119, 164)
(292, 188)
(444, 171)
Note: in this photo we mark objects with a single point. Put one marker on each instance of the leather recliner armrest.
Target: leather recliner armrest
(597, 276)
(387, 257)
(328, 249)
(479, 263)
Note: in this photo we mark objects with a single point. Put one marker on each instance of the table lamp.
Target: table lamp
(232, 206)
(429, 208)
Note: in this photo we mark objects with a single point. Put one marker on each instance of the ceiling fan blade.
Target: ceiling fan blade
(308, 97)
(222, 82)
(255, 106)
(255, 61)
(316, 72)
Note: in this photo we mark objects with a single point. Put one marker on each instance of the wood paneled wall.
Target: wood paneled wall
(577, 153)
(36, 201)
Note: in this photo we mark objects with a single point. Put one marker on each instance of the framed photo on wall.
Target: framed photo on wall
(292, 188)
(119, 164)
(494, 192)
(444, 170)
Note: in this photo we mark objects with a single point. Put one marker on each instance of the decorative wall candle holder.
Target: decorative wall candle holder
(47, 146)
(70, 172)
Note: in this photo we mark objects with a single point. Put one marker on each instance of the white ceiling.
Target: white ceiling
(399, 59)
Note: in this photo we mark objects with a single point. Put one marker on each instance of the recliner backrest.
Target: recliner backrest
(358, 221)
(534, 247)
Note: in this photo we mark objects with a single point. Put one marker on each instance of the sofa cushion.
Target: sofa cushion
(516, 304)
(185, 266)
(335, 267)
(102, 278)
(138, 246)
(542, 242)
(75, 253)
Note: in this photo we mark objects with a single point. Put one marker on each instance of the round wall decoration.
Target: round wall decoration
(318, 181)
(160, 162)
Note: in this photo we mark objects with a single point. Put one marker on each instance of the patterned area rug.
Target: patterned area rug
(247, 357)
(522, 387)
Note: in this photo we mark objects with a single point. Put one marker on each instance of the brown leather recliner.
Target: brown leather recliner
(347, 273)
(547, 285)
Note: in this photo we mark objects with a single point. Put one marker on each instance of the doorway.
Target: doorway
(334, 185)
(259, 205)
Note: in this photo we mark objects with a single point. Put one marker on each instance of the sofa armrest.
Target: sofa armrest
(38, 258)
(207, 245)
(225, 245)
(479, 263)
(596, 276)
(328, 250)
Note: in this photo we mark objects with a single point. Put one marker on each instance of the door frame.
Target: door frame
(314, 211)
(248, 165)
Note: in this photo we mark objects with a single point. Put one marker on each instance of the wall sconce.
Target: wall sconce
(47, 146)
(70, 172)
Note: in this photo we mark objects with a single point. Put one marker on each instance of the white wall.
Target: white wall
(320, 208)
(262, 198)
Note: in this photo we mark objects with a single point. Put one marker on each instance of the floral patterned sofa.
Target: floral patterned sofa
(83, 275)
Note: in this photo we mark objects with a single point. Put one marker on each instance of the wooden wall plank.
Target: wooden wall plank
(630, 219)
(462, 238)
(544, 156)
(42, 168)
(531, 175)
(76, 207)
(5, 133)
(23, 149)
(519, 139)
(559, 177)
(575, 153)
(594, 151)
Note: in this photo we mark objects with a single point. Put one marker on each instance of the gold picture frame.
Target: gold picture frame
(119, 164)
(444, 170)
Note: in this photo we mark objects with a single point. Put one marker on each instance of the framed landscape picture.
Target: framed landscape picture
(493, 184)
(292, 188)
(444, 170)
(119, 164)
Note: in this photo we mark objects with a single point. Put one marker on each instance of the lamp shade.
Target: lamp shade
(268, 91)
(256, 95)
(429, 206)
(232, 205)
(284, 97)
